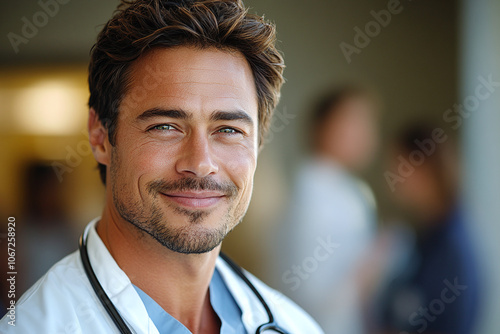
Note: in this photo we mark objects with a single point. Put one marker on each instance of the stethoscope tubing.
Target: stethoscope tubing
(101, 294)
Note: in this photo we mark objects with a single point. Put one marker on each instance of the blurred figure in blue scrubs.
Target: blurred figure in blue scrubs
(438, 290)
(330, 222)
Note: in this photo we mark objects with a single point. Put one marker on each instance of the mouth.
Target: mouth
(195, 200)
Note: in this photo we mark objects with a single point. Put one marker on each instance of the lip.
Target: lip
(196, 200)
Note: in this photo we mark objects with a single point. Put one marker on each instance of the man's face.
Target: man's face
(186, 146)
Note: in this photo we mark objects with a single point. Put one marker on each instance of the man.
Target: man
(181, 93)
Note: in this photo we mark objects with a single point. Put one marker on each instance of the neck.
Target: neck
(177, 282)
(330, 158)
(340, 158)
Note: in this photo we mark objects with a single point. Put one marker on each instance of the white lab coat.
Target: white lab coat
(63, 300)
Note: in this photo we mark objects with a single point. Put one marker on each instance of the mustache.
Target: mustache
(229, 189)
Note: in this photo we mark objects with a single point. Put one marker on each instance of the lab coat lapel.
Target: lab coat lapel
(253, 312)
(117, 285)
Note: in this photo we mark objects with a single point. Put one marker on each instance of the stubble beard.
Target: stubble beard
(192, 238)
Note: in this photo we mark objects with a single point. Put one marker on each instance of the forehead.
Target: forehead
(193, 79)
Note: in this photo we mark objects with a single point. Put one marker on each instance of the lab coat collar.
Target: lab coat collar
(116, 284)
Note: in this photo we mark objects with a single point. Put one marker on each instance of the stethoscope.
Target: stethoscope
(270, 326)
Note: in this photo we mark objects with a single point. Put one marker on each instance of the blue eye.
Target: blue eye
(228, 130)
(163, 127)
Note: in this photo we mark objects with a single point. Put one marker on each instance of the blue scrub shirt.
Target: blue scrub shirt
(222, 302)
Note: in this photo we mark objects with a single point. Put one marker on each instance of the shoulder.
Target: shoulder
(285, 310)
(57, 303)
(286, 313)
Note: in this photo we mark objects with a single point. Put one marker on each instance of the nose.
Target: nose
(196, 157)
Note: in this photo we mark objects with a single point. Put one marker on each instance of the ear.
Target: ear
(98, 137)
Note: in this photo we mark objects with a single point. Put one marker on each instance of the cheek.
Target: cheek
(153, 158)
(238, 164)
(137, 161)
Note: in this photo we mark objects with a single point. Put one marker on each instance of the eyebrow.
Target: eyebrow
(158, 112)
(238, 115)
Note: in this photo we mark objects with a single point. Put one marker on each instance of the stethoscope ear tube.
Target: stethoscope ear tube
(101, 294)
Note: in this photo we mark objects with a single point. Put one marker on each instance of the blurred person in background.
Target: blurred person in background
(45, 233)
(437, 291)
(331, 219)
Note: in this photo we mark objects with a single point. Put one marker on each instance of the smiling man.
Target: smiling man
(181, 95)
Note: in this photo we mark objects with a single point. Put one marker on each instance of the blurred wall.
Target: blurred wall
(481, 58)
(65, 37)
(44, 53)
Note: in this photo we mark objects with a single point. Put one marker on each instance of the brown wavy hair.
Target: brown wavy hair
(139, 26)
